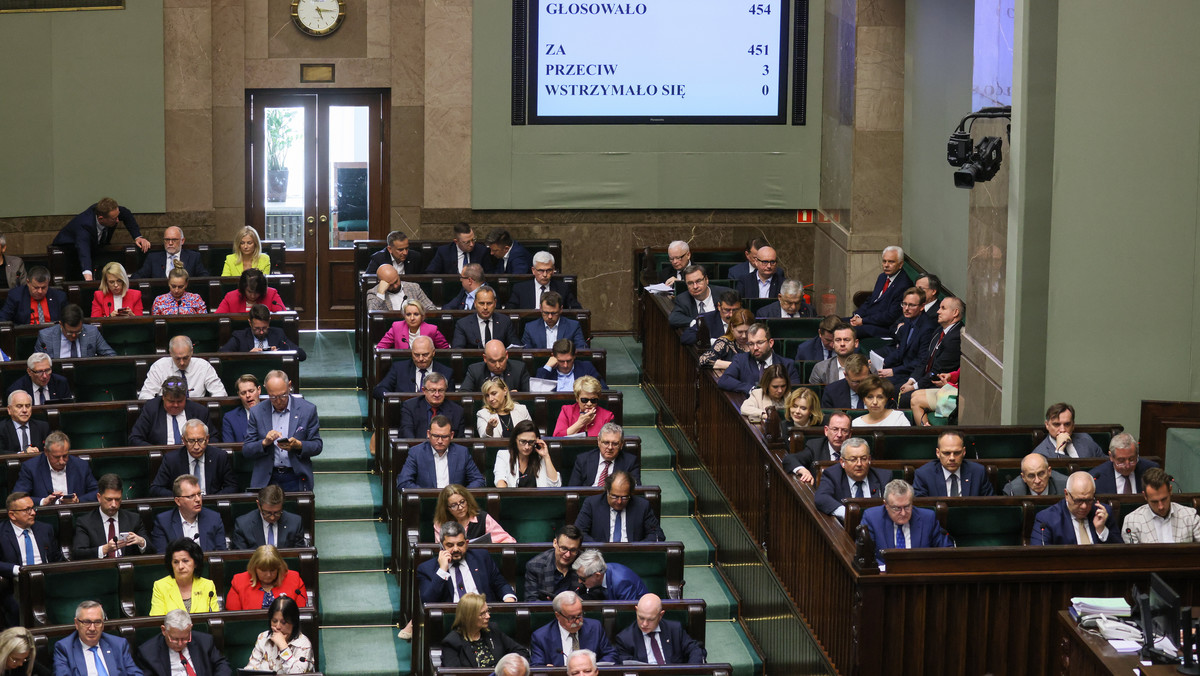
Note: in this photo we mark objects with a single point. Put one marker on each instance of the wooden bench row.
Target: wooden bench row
(365, 248)
(63, 266)
(982, 441)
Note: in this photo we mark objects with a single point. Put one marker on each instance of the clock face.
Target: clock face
(318, 17)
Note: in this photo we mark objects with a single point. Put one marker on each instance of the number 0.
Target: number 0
(766, 90)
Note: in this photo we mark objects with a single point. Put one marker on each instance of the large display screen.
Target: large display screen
(657, 61)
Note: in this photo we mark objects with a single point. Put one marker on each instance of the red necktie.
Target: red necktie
(603, 473)
(187, 665)
(887, 281)
(112, 535)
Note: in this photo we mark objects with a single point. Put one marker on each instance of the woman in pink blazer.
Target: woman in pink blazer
(584, 417)
(114, 297)
(401, 335)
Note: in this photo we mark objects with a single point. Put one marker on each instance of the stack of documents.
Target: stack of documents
(1088, 605)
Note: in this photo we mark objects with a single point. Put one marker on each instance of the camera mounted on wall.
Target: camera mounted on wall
(979, 162)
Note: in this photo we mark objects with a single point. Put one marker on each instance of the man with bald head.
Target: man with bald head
(159, 263)
(391, 293)
(496, 364)
(766, 280)
(1078, 519)
(199, 376)
(471, 278)
(1036, 478)
(282, 437)
(474, 331)
(653, 640)
(408, 375)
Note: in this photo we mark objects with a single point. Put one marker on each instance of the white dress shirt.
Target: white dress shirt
(648, 640)
(19, 532)
(441, 466)
(177, 668)
(87, 659)
(612, 515)
(191, 530)
(201, 377)
(946, 478)
(468, 579)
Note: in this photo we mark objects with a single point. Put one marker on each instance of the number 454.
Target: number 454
(760, 9)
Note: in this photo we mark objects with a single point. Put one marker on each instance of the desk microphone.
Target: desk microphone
(1130, 537)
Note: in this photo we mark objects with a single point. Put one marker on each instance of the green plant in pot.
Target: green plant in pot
(280, 137)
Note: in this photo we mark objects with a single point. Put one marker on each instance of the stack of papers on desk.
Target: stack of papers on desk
(1088, 605)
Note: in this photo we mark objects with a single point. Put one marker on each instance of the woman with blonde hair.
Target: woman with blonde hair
(585, 417)
(247, 254)
(499, 413)
(802, 408)
(735, 341)
(455, 503)
(18, 652)
(471, 643)
(266, 577)
(402, 333)
(114, 297)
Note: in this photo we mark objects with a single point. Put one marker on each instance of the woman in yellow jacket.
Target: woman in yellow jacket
(247, 253)
(183, 588)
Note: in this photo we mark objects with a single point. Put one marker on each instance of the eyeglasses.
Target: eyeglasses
(589, 400)
(910, 305)
(440, 437)
(570, 618)
(27, 510)
(767, 262)
(270, 514)
(90, 623)
(856, 461)
(457, 505)
(526, 442)
(195, 442)
(618, 498)
(899, 509)
(41, 372)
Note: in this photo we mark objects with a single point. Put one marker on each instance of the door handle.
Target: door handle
(311, 220)
(324, 219)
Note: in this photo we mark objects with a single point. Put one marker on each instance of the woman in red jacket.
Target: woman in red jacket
(266, 578)
(252, 289)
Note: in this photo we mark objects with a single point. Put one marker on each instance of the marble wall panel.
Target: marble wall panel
(187, 54)
(379, 29)
(447, 157)
(257, 32)
(879, 80)
(285, 73)
(987, 244)
(447, 55)
(228, 53)
(229, 157)
(407, 155)
(189, 159)
(877, 193)
(880, 13)
(980, 378)
(408, 52)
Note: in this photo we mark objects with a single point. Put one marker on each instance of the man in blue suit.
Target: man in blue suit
(570, 631)
(819, 348)
(77, 653)
(563, 368)
(879, 312)
(237, 419)
(16, 552)
(35, 302)
(188, 519)
(407, 375)
(790, 304)
(852, 477)
(417, 412)
(1078, 520)
(41, 382)
(593, 467)
(471, 279)
(765, 281)
(260, 336)
(601, 581)
(617, 515)
(527, 295)
(911, 335)
(746, 369)
(670, 644)
(949, 475)
(449, 259)
(38, 480)
(159, 263)
(1061, 439)
(1122, 472)
(457, 569)
(72, 338)
(94, 228)
(420, 471)
(896, 524)
(282, 437)
(474, 331)
(506, 257)
(540, 334)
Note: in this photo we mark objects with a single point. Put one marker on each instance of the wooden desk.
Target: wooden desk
(1082, 653)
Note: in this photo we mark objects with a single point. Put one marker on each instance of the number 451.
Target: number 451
(760, 9)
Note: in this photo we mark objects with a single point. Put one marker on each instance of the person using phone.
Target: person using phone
(1078, 519)
(109, 532)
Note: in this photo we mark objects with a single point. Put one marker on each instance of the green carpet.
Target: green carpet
(703, 582)
(353, 545)
(345, 450)
(656, 452)
(638, 410)
(331, 361)
(363, 651)
(620, 368)
(348, 496)
(338, 407)
(726, 642)
(359, 598)
(677, 500)
(697, 550)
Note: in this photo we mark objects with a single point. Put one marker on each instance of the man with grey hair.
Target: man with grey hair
(200, 377)
(568, 633)
(512, 664)
(852, 477)
(12, 268)
(88, 651)
(159, 264)
(398, 254)
(593, 467)
(22, 433)
(582, 663)
(527, 295)
(679, 256)
(790, 304)
(1122, 472)
(162, 418)
(460, 570)
(1078, 520)
(41, 382)
(179, 649)
(600, 581)
(896, 524)
(56, 477)
(880, 311)
(210, 465)
(282, 437)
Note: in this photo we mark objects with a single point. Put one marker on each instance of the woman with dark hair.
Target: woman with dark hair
(876, 393)
(455, 503)
(520, 466)
(771, 392)
(471, 643)
(252, 290)
(266, 577)
(283, 648)
(183, 587)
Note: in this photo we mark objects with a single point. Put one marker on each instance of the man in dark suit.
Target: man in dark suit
(34, 302)
(41, 382)
(765, 281)
(496, 363)
(553, 642)
(896, 524)
(72, 338)
(159, 263)
(716, 321)
(474, 331)
(819, 449)
(472, 280)
(282, 437)
(78, 653)
(669, 643)
(700, 297)
(949, 475)
(179, 647)
(445, 579)
(109, 532)
(1122, 472)
(845, 343)
(819, 348)
(449, 259)
(25, 542)
(417, 412)
(269, 524)
(407, 375)
(260, 336)
(563, 368)
(189, 518)
(1061, 439)
(420, 470)
(790, 304)
(597, 580)
(527, 295)
(746, 368)
(162, 419)
(853, 477)
(21, 433)
(236, 419)
(911, 335)
(540, 334)
(56, 477)
(1036, 478)
(931, 287)
(843, 393)
(506, 257)
(943, 351)
(196, 457)
(93, 229)
(679, 256)
(751, 253)
(1079, 519)
(398, 254)
(593, 467)
(879, 312)
(618, 515)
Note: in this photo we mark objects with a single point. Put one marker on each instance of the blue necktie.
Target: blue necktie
(899, 537)
(858, 489)
(616, 535)
(175, 429)
(101, 670)
(271, 535)
(458, 581)
(28, 548)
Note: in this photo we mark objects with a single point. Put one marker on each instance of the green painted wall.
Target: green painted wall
(632, 167)
(89, 120)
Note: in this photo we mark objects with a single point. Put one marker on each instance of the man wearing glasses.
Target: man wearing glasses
(1036, 478)
(527, 295)
(563, 368)
(618, 515)
(896, 524)
(766, 280)
(269, 524)
(282, 437)
(828, 447)
(1123, 471)
(162, 419)
(679, 256)
(910, 335)
(472, 280)
(463, 250)
(699, 299)
(1078, 520)
(436, 463)
(210, 465)
(41, 382)
(569, 632)
(851, 478)
(179, 649)
(190, 519)
(417, 412)
(541, 334)
(593, 467)
(25, 542)
(159, 263)
(88, 651)
(549, 573)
